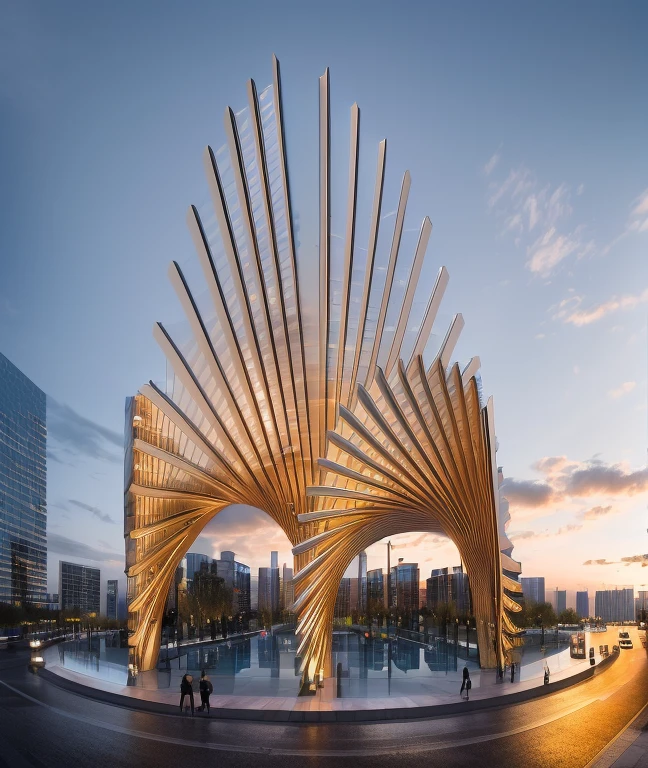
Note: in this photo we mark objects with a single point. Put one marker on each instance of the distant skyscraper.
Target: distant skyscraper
(376, 587)
(362, 582)
(287, 588)
(404, 585)
(446, 587)
(23, 475)
(561, 601)
(641, 605)
(112, 599)
(237, 577)
(194, 561)
(343, 600)
(79, 587)
(533, 588)
(274, 559)
(269, 589)
(582, 604)
(615, 604)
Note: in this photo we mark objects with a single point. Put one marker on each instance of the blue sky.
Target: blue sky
(524, 129)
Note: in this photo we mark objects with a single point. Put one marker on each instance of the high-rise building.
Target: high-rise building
(343, 600)
(362, 582)
(287, 588)
(112, 599)
(237, 577)
(79, 588)
(444, 587)
(561, 600)
(533, 588)
(269, 593)
(376, 587)
(582, 604)
(194, 561)
(404, 585)
(641, 605)
(23, 476)
(615, 604)
(274, 559)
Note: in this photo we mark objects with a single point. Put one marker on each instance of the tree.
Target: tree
(569, 616)
(210, 598)
(536, 614)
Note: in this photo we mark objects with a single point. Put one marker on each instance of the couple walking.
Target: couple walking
(186, 689)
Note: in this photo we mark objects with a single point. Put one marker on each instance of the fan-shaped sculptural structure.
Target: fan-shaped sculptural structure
(309, 399)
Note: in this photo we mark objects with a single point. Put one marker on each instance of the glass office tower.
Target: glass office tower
(23, 510)
(79, 587)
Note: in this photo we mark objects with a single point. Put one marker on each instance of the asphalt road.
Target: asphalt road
(42, 725)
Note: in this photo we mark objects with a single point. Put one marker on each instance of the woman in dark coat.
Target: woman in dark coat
(186, 690)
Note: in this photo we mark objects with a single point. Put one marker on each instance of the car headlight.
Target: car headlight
(35, 643)
(37, 659)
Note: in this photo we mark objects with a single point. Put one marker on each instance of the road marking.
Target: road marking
(407, 746)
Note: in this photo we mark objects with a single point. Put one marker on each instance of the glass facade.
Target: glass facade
(79, 588)
(23, 475)
(112, 598)
(404, 587)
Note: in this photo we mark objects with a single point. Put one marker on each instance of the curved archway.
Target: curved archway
(328, 429)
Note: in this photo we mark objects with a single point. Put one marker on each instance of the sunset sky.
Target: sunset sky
(524, 128)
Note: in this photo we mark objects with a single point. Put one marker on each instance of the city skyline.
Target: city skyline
(523, 209)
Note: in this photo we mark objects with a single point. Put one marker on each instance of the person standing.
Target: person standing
(206, 689)
(466, 682)
(186, 689)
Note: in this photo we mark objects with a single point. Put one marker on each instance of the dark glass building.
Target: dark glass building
(376, 586)
(112, 599)
(404, 587)
(23, 510)
(445, 587)
(79, 588)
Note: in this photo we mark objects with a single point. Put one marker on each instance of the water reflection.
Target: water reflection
(267, 665)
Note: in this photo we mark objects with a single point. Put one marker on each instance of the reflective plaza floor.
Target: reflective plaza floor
(267, 665)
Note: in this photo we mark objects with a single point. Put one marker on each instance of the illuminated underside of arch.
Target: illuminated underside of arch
(328, 420)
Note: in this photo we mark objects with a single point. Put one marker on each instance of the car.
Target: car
(624, 635)
(625, 643)
(615, 649)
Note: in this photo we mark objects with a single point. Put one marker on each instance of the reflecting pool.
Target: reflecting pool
(266, 664)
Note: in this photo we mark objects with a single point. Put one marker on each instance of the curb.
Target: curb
(330, 716)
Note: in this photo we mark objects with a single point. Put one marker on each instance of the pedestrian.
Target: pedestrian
(187, 690)
(206, 689)
(466, 682)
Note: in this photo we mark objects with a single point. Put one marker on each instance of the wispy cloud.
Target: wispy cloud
(491, 164)
(638, 221)
(562, 531)
(641, 559)
(105, 518)
(626, 387)
(595, 513)
(69, 548)
(551, 248)
(77, 436)
(539, 212)
(569, 310)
